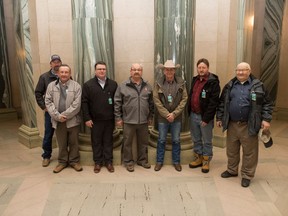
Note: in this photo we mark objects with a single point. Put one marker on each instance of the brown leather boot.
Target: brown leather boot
(205, 164)
(197, 161)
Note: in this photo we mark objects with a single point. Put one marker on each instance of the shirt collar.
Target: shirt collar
(248, 81)
(99, 80)
(205, 78)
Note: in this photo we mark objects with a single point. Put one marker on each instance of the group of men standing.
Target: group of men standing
(242, 109)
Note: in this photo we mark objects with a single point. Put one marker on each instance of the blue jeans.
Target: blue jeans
(48, 134)
(201, 136)
(175, 128)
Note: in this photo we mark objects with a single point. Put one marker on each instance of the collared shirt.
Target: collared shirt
(63, 96)
(101, 82)
(171, 87)
(197, 91)
(240, 100)
(138, 86)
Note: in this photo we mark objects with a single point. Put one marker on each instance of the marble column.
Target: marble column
(6, 110)
(245, 31)
(28, 133)
(174, 39)
(269, 72)
(93, 41)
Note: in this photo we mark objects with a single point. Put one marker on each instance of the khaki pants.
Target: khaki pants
(67, 139)
(237, 135)
(142, 133)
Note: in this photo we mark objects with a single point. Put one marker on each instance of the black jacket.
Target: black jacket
(41, 87)
(95, 100)
(260, 109)
(208, 104)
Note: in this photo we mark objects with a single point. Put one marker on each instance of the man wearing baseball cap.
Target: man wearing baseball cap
(40, 91)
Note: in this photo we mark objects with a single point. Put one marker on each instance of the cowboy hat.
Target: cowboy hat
(168, 64)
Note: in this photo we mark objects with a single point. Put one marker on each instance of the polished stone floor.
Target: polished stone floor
(26, 188)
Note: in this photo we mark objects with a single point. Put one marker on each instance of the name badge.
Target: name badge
(110, 100)
(253, 96)
(203, 94)
(170, 98)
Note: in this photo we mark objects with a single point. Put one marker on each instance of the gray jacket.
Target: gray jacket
(131, 106)
(73, 103)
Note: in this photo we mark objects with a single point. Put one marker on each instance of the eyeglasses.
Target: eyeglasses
(134, 69)
(101, 69)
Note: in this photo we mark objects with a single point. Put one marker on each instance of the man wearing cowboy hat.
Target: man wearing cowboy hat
(170, 97)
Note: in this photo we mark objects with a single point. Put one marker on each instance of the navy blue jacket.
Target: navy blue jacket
(260, 109)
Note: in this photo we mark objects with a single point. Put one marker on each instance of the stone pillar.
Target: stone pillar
(93, 41)
(271, 44)
(282, 102)
(6, 110)
(28, 133)
(245, 31)
(174, 39)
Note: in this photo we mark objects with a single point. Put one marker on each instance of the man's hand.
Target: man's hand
(150, 121)
(119, 123)
(203, 124)
(170, 117)
(219, 124)
(265, 125)
(62, 118)
(89, 123)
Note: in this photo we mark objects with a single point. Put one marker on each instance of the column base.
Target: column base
(186, 156)
(186, 147)
(85, 148)
(219, 141)
(8, 114)
(29, 136)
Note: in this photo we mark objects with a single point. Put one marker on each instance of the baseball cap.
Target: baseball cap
(55, 57)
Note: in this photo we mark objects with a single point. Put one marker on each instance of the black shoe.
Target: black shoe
(158, 166)
(226, 174)
(245, 182)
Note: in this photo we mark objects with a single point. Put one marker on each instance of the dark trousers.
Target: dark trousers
(102, 141)
(48, 135)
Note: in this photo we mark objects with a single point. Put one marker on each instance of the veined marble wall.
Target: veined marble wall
(174, 39)
(133, 30)
(93, 37)
(5, 96)
(269, 73)
(24, 62)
